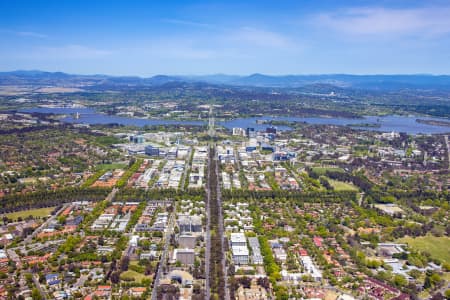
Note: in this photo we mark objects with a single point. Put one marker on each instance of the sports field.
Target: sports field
(39, 212)
(438, 247)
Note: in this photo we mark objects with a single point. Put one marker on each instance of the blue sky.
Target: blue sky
(234, 37)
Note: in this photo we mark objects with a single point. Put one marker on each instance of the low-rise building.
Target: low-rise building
(187, 241)
(240, 255)
(184, 256)
(238, 239)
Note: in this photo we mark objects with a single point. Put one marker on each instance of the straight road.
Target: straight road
(448, 149)
(215, 223)
(208, 233)
(221, 226)
(38, 286)
(111, 195)
(186, 169)
(162, 262)
(29, 238)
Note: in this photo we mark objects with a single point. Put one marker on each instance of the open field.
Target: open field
(138, 277)
(438, 247)
(58, 90)
(39, 212)
(342, 186)
(322, 170)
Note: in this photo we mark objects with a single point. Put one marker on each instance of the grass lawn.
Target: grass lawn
(135, 275)
(342, 186)
(108, 167)
(321, 170)
(107, 140)
(438, 247)
(39, 212)
(424, 294)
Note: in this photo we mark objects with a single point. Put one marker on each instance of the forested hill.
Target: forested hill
(383, 82)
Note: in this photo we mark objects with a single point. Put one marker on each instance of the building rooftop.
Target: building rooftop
(240, 251)
(238, 237)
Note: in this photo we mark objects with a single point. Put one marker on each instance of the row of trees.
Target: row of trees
(134, 166)
(361, 182)
(131, 194)
(18, 202)
(292, 196)
(216, 274)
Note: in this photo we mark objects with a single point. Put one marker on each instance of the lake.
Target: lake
(390, 123)
(90, 116)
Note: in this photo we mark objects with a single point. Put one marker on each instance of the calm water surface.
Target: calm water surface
(395, 123)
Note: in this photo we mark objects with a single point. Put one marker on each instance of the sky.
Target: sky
(145, 38)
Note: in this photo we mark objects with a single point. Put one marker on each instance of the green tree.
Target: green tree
(435, 278)
(400, 280)
(35, 294)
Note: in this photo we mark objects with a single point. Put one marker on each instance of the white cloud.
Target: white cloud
(232, 43)
(25, 33)
(232, 37)
(187, 23)
(32, 34)
(184, 52)
(69, 52)
(425, 22)
(260, 38)
(163, 48)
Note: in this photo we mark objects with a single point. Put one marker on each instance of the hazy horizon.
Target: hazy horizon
(226, 74)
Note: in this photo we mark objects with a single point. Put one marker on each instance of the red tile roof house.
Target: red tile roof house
(378, 290)
(103, 291)
(3, 292)
(303, 252)
(318, 241)
(137, 291)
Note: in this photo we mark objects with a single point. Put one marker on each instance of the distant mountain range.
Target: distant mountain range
(382, 82)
